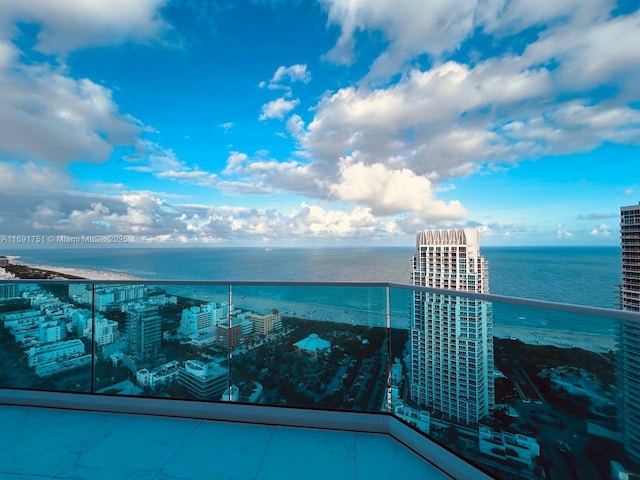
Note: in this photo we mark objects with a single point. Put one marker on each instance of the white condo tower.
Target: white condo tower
(451, 336)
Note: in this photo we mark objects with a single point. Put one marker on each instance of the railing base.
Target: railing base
(382, 423)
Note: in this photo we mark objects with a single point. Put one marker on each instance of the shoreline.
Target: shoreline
(534, 336)
(64, 273)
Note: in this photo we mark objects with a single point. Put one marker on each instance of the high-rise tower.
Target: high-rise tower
(630, 331)
(451, 336)
(144, 332)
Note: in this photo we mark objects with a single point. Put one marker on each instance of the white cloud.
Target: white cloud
(49, 116)
(562, 232)
(149, 157)
(226, 126)
(71, 24)
(602, 230)
(412, 27)
(278, 108)
(388, 192)
(293, 73)
(19, 178)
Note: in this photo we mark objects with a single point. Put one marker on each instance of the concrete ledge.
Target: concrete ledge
(382, 423)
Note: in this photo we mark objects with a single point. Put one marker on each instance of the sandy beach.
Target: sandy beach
(310, 311)
(77, 272)
(557, 338)
(532, 336)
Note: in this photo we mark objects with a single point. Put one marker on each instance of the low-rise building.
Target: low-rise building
(163, 375)
(54, 352)
(312, 345)
(204, 381)
(267, 323)
(505, 445)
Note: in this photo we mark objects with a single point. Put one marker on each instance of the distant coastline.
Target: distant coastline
(24, 271)
(530, 335)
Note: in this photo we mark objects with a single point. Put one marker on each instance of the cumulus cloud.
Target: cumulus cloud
(261, 174)
(278, 108)
(411, 27)
(71, 24)
(602, 230)
(388, 191)
(293, 73)
(46, 115)
(562, 232)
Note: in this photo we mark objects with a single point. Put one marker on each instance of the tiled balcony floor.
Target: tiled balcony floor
(47, 443)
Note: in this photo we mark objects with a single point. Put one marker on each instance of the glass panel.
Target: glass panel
(556, 385)
(162, 340)
(559, 387)
(43, 345)
(325, 348)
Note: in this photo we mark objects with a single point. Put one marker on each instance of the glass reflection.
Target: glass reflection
(46, 337)
(325, 348)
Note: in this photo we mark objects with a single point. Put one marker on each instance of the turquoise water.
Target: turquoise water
(578, 275)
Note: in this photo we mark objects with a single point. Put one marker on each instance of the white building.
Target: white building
(504, 445)
(55, 352)
(106, 331)
(163, 375)
(630, 329)
(451, 336)
(52, 331)
(203, 319)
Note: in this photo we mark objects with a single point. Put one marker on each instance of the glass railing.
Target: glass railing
(525, 389)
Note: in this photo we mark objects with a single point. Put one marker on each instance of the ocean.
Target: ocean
(577, 275)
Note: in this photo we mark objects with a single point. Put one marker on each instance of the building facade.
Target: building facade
(144, 332)
(630, 330)
(204, 381)
(267, 323)
(451, 336)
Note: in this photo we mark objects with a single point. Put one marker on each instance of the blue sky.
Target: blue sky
(329, 122)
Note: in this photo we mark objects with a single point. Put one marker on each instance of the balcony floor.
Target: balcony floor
(47, 443)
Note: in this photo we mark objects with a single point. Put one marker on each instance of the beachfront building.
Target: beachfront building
(630, 330)
(451, 336)
(267, 323)
(199, 320)
(234, 332)
(105, 297)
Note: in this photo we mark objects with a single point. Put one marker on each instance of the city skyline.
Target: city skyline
(318, 123)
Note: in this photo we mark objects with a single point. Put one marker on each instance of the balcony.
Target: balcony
(173, 380)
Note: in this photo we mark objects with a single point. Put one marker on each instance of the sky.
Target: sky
(317, 123)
